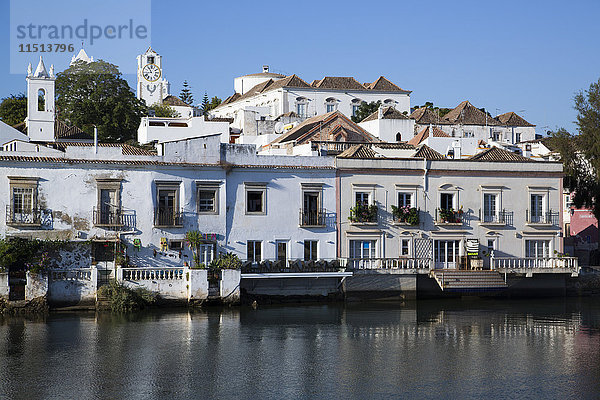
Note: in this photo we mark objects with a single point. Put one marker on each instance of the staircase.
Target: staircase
(464, 281)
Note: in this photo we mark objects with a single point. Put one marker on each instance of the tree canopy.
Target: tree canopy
(207, 105)
(164, 111)
(580, 154)
(95, 94)
(365, 109)
(13, 109)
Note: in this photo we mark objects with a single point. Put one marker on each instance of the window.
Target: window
(23, 202)
(206, 252)
(302, 106)
(310, 250)
(537, 205)
(518, 137)
(468, 134)
(254, 252)
(176, 245)
(405, 247)
(362, 248)
(398, 137)
(330, 104)
(167, 211)
(537, 248)
(108, 211)
(496, 135)
(362, 198)
(355, 105)
(207, 197)
(404, 199)
(281, 250)
(150, 60)
(255, 198)
(311, 207)
(491, 245)
(41, 100)
(447, 201)
(490, 208)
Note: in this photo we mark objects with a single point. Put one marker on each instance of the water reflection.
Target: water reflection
(429, 349)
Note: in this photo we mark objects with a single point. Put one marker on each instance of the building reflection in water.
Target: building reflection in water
(433, 349)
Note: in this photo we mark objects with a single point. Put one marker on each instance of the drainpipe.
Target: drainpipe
(95, 139)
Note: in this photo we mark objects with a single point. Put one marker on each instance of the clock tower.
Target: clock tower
(152, 87)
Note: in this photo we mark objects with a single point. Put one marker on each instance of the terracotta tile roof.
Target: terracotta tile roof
(171, 100)
(62, 131)
(426, 116)
(496, 154)
(126, 149)
(426, 152)
(326, 127)
(358, 151)
(512, 119)
(467, 114)
(230, 99)
(339, 82)
(388, 113)
(267, 86)
(384, 85)
(289, 114)
(425, 133)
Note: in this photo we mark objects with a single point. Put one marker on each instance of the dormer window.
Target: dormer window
(355, 104)
(301, 106)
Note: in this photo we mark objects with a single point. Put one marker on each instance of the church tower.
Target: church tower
(40, 103)
(151, 85)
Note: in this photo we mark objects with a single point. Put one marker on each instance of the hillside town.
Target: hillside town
(406, 202)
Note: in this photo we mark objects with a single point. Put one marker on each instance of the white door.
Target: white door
(446, 253)
(361, 251)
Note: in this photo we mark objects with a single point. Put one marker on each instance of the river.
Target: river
(473, 349)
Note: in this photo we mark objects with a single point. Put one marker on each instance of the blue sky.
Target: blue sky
(524, 56)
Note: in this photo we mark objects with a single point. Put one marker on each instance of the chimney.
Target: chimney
(265, 68)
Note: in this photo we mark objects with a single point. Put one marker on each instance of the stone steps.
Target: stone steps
(468, 281)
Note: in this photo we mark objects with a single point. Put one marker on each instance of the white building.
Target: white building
(507, 203)
(155, 129)
(276, 95)
(390, 125)
(467, 121)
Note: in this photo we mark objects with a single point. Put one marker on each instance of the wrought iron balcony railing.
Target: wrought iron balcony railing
(16, 217)
(546, 218)
(312, 217)
(168, 217)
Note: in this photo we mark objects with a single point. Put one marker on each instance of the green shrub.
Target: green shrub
(124, 299)
(226, 261)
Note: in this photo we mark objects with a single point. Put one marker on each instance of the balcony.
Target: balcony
(312, 218)
(501, 218)
(528, 266)
(168, 217)
(406, 216)
(108, 218)
(547, 218)
(363, 214)
(25, 218)
(448, 217)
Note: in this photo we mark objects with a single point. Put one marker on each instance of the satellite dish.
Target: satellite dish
(279, 127)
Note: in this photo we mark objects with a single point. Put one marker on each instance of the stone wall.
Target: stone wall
(73, 287)
(230, 286)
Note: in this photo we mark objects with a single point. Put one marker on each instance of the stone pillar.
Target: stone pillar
(230, 285)
(4, 289)
(197, 284)
(37, 285)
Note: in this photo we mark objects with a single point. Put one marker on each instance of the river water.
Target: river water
(473, 349)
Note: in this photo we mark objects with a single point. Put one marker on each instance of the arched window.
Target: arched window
(330, 104)
(389, 102)
(355, 104)
(398, 137)
(302, 107)
(41, 100)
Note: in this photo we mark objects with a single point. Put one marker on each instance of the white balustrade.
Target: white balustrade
(570, 263)
(386, 263)
(152, 274)
(79, 274)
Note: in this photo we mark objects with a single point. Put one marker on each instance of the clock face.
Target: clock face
(151, 72)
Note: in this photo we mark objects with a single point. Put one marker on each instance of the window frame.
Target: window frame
(313, 246)
(255, 187)
(174, 186)
(253, 243)
(28, 183)
(206, 186)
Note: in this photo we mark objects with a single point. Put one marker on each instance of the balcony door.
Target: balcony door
(23, 204)
(108, 206)
(446, 253)
(167, 206)
(311, 208)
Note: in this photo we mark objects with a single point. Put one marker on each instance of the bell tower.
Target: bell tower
(151, 85)
(40, 103)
